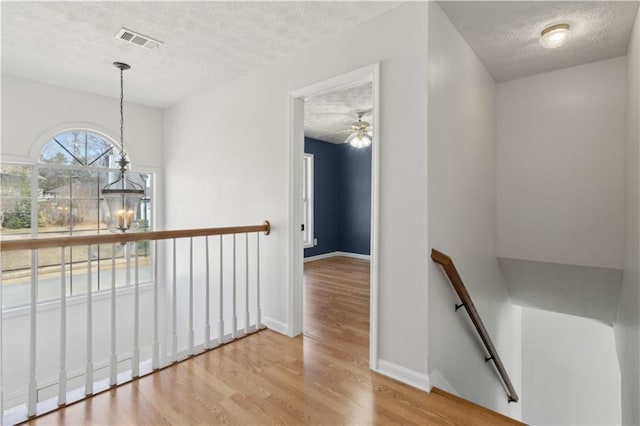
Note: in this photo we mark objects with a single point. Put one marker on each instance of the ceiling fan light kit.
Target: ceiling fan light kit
(361, 133)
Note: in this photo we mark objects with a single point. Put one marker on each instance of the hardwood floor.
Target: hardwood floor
(266, 378)
(336, 303)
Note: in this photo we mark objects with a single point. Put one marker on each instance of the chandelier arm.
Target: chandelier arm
(135, 185)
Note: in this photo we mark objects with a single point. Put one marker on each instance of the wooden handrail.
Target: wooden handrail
(451, 271)
(39, 243)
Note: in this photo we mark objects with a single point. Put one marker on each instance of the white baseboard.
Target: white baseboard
(275, 325)
(402, 374)
(353, 255)
(320, 256)
(440, 382)
(337, 253)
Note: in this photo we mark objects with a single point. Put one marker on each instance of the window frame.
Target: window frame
(308, 239)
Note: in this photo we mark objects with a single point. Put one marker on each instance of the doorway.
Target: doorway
(365, 76)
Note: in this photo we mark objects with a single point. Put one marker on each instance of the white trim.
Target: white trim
(369, 73)
(375, 220)
(441, 382)
(296, 273)
(428, 243)
(320, 256)
(354, 255)
(275, 325)
(337, 253)
(402, 374)
(347, 80)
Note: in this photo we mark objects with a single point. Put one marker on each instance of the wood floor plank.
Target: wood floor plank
(322, 377)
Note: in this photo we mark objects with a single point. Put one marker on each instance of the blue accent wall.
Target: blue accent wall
(354, 198)
(342, 198)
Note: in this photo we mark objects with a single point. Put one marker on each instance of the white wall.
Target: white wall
(627, 327)
(233, 141)
(560, 152)
(462, 220)
(31, 113)
(569, 370)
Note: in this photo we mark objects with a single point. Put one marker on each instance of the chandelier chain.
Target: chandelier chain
(121, 110)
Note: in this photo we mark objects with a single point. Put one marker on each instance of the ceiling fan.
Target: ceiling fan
(361, 133)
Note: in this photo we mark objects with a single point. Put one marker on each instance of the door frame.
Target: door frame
(369, 73)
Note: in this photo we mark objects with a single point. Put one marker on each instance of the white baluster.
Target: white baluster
(113, 376)
(135, 361)
(174, 309)
(89, 370)
(221, 300)
(191, 296)
(1, 350)
(234, 331)
(62, 377)
(258, 310)
(155, 363)
(246, 284)
(127, 254)
(32, 398)
(207, 324)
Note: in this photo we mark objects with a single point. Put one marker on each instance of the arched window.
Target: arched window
(77, 148)
(60, 195)
(72, 169)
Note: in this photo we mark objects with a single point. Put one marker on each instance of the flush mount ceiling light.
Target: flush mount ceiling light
(554, 36)
(122, 195)
(361, 133)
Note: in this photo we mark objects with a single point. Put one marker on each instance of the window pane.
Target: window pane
(78, 147)
(55, 154)
(70, 200)
(85, 199)
(15, 215)
(14, 263)
(15, 204)
(74, 144)
(15, 181)
(49, 273)
(145, 208)
(105, 272)
(16, 277)
(99, 151)
(54, 203)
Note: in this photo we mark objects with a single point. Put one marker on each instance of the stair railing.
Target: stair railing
(213, 336)
(466, 302)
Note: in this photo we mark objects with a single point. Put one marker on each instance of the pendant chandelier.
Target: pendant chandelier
(122, 195)
(361, 133)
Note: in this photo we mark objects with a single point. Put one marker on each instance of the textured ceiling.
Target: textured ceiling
(71, 44)
(328, 117)
(505, 34)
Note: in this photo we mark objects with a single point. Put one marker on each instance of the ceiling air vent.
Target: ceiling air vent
(138, 39)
